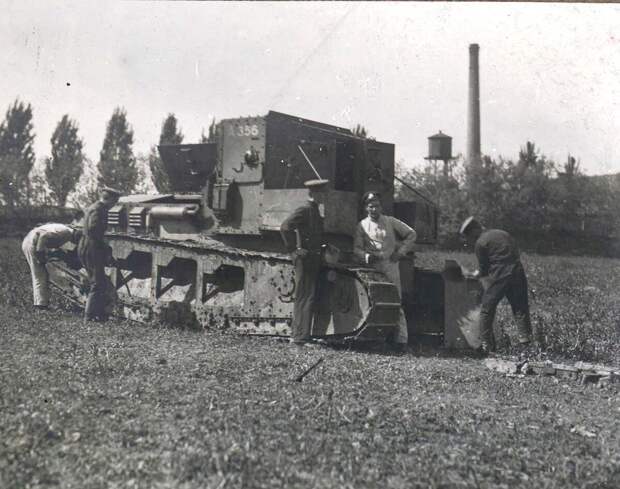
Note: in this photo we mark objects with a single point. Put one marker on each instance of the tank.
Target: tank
(210, 252)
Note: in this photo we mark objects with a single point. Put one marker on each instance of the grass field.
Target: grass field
(127, 405)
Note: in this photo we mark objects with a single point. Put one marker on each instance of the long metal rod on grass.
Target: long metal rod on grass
(301, 376)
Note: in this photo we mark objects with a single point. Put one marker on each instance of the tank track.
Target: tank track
(209, 284)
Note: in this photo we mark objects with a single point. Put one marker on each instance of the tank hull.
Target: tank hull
(208, 284)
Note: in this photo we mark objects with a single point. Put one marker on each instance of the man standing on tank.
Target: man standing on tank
(381, 241)
(302, 233)
(502, 275)
(95, 254)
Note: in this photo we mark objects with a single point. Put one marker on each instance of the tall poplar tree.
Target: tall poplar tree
(16, 153)
(211, 136)
(64, 168)
(117, 164)
(170, 134)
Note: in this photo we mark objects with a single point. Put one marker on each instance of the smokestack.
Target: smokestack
(473, 116)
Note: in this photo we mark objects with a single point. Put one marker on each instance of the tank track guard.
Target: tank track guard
(213, 285)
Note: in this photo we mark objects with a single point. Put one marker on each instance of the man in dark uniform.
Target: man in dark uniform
(502, 275)
(94, 253)
(302, 233)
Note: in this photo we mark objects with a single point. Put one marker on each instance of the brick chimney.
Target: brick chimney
(473, 113)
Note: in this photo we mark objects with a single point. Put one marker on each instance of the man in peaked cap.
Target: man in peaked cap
(381, 241)
(94, 253)
(302, 233)
(502, 275)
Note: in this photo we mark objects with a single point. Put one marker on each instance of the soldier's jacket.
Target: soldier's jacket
(92, 247)
(497, 253)
(309, 222)
(95, 221)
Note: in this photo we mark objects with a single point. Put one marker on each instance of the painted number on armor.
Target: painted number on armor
(246, 130)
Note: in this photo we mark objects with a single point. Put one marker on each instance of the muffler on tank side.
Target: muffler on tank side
(174, 221)
(174, 212)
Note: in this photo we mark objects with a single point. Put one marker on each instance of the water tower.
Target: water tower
(440, 149)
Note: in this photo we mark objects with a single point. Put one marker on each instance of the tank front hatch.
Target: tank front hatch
(188, 166)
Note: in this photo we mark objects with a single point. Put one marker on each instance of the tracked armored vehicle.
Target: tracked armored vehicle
(210, 251)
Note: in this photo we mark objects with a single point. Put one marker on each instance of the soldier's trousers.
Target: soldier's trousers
(306, 279)
(92, 256)
(38, 271)
(514, 287)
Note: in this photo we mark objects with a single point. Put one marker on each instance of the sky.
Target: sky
(549, 73)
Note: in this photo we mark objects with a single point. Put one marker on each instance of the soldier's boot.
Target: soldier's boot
(526, 348)
(524, 328)
(487, 338)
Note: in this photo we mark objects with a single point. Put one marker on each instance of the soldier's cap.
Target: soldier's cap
(369, 196)
(318, 184)
(111, 191)
(467, 224)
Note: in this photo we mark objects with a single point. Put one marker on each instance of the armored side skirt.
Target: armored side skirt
(208, 284)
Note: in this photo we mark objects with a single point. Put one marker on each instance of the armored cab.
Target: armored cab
(247, 181)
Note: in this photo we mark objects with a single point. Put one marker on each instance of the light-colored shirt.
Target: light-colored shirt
(382, 238)
(52, 235)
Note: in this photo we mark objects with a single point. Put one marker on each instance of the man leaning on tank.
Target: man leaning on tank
(381, 241)
(95, 254)
(41, 244)
(302, 233)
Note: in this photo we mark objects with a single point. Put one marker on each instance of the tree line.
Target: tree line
(67, 176)
(531, 196)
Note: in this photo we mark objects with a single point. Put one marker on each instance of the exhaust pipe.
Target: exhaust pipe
(174, 212)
